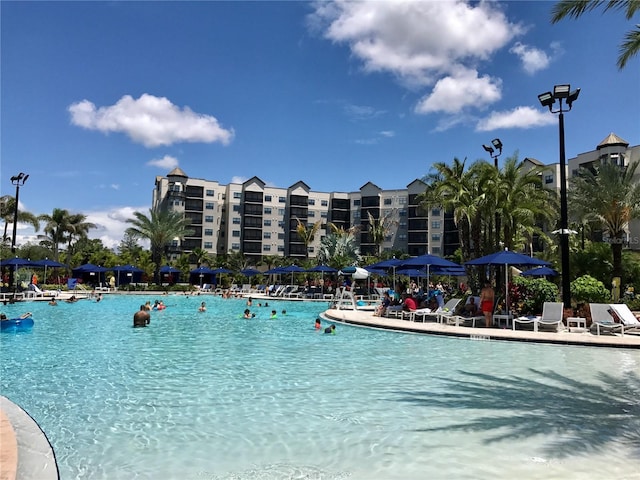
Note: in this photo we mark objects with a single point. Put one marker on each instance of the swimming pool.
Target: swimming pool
(213, 396)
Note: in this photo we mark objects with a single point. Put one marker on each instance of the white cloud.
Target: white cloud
(388, 133)
(115, 186)
(533, 59)
(238, 179)
(519, 117)
(151, 121)
(362, 112)
(111, 224)
(167, 162)
(417, 41)
(455, 93)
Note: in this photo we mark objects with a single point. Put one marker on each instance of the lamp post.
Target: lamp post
(18, 181)
(548, 99)
(495, 151)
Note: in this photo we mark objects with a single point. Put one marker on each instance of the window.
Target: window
(435, 212)
(281, 236)
(323, 214)
(267, 198)
(236, 208)
(281, 223)
(281, 248)
(267, 223)
(312, 201)
(282, 199)
(208, 205)
(266, 248)
(435, 237)
(208, 231)
(267, 210)
(235, 246)
(387, 201)
(435, 224)
(208, 245)
(208, 218)
(237, 194)
(402, 200)
(435, 250)
(281, 212)
(402, 213)
(356, 202)
(324, 203)
(266, 235)
(235, 233)
(402, 236)
(236, 220)
(548, 179)
(210, 193)
(311, 213)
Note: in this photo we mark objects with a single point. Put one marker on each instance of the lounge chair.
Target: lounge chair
(458, 320)
(628, 320)
(551, 317)
(602, 321)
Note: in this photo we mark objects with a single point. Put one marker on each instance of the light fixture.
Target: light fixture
(488, 149)
(547, 99)
(497, 143)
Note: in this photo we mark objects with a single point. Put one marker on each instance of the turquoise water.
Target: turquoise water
(213, 396)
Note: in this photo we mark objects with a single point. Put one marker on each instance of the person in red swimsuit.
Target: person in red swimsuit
(487, 297)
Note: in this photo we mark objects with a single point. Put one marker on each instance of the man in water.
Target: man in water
(331, 330)
(142, 317)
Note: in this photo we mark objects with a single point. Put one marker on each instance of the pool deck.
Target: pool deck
(582, 337)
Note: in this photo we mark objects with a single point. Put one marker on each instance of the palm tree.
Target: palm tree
(307, 234)
(379, 228)
(160, 227)
(7, 212)
(201, 256)
(56, 227)
(608, 194)
(575, 8)
(339, 248)
(77, 227)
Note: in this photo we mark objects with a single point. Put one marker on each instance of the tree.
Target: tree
(77, 227)
(7, 212)
(201, 256)
(339, 248)
(307, 234)
(379, 228)
(575, 8)
(160, 227)
(608, 194)
(56, 228)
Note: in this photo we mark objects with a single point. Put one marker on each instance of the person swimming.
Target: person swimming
(247, 313)
(273, 314)
(330, 330)
(203, 307)
(318, 325)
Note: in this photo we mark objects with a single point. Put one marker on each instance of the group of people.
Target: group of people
(331, 329)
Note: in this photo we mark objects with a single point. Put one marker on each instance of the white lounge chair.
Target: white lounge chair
(602, 321)
(551, 316)
(629, 321)
(460, 320)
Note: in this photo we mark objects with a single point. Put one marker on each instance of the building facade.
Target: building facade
(260, 220)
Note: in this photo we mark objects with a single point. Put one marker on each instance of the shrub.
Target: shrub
(587, 289)
(527, 295)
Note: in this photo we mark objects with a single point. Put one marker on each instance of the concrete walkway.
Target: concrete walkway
(562, 337)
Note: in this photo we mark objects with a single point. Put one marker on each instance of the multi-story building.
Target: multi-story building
(259, 220)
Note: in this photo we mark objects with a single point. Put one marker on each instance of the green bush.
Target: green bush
(587, 289)
(527, 295)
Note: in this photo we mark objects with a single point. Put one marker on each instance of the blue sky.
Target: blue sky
(99, 98)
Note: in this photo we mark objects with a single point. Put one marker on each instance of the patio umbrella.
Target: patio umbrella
(250, 272)
(169, 271)
(427, 260)
(48, 263)
(391, 263)
(90, 269)
(292, 269)
(17, 262)
(323, 269)
(540, 272)
(507, 258)
(200, 272)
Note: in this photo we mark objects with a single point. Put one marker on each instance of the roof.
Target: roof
(177, 172)
(612, 139)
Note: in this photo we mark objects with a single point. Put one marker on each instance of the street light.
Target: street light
(548, 99)
(495, 151)
(18, 181)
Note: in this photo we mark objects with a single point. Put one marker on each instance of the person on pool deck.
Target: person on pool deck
(331, 330)
(142, 317)
(318, 324)
(203, 307)
(487, 297)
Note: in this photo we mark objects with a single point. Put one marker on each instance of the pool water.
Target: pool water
(214, 396)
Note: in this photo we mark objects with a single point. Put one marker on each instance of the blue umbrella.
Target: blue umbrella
(170, 269)
(200, 272)
(18, 262)
(427, 260)
(323, 269)
(506, 258)
(48, 263)
(540, 272)
(391, 263)
(129, 270)
(250, 272)
(292, 269)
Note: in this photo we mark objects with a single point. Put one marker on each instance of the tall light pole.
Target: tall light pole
(495, 151)
(18, 181)
(548, 99)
